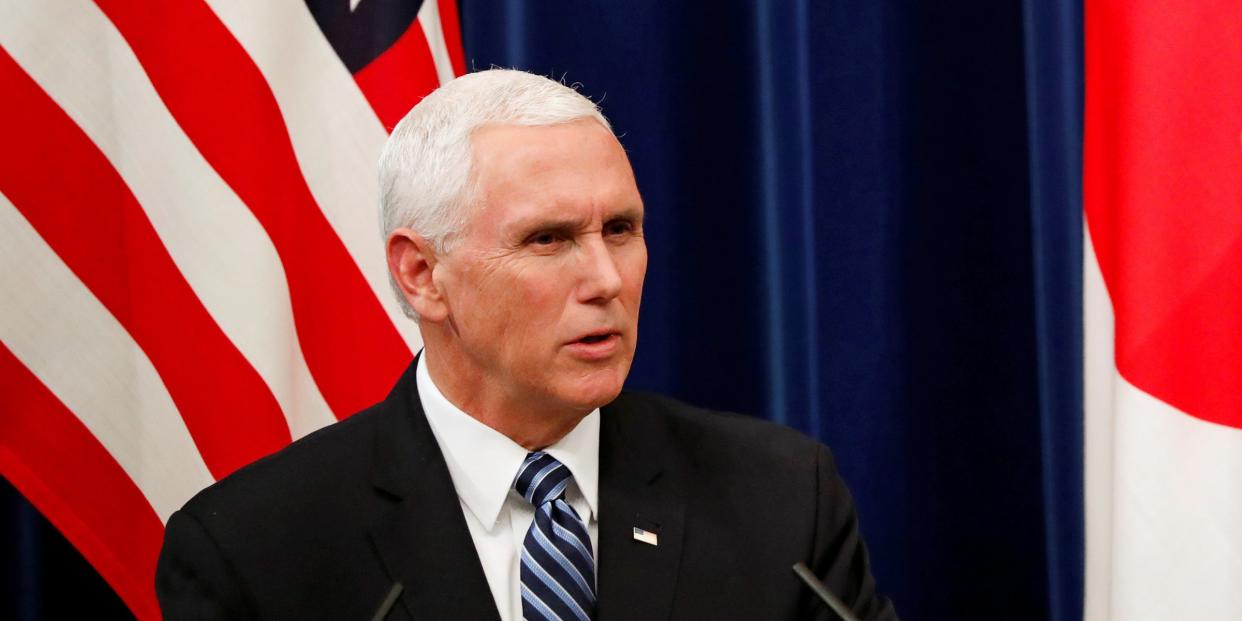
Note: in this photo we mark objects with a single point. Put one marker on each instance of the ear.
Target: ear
(411, 261)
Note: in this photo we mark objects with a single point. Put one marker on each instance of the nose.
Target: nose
(600, 279)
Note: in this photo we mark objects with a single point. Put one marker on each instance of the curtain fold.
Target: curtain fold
(1054, 78)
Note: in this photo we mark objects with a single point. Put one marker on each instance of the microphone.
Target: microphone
(390, 599)
(822, 591)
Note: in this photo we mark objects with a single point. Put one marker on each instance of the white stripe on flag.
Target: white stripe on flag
(1163, 506)
(429, 21)
(85, 65)
(335, 134)
(64, 335)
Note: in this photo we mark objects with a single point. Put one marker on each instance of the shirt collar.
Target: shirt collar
(482, 461)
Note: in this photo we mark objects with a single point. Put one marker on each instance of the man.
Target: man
(506, 476)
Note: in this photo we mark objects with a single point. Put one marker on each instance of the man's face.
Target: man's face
(544, 285)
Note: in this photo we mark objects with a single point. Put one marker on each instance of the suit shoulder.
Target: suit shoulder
(728, 429)
(300, 472)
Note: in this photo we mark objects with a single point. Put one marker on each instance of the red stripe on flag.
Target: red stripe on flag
(400, 77)
(56, 177)
(452, 34)
(224, 105)
(55, 462)
(1162, 187)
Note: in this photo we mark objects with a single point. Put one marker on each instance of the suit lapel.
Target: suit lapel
(419, 533)
(417, 527)
(636, 579)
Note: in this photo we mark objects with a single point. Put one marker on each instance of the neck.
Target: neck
(532, 423)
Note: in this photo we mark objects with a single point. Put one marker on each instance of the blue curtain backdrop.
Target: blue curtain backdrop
(863, 222)
(1054, 95)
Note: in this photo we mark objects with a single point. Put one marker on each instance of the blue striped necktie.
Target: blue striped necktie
(558, 568)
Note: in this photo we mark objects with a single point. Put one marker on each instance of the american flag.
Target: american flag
(192, 267)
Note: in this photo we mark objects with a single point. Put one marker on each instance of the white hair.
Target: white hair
(426, 164)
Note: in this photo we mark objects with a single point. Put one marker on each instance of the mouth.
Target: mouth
(597, 336)
(596, 345)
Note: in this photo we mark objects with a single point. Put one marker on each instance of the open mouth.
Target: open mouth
(600, 346)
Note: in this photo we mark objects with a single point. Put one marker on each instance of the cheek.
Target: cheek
(485, 306)
(543, 304)
(635, 271)
(527, 303)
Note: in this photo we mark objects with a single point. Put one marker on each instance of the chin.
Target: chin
(594, 391)
(587, 400)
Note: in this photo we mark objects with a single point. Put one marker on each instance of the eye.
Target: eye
(619, 227)
(543, 238)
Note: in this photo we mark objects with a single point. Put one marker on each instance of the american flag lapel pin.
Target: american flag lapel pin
(646, 536)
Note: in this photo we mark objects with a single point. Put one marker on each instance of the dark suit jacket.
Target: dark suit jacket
(322, 529)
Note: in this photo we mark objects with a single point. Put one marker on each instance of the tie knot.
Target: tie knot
(541, 479)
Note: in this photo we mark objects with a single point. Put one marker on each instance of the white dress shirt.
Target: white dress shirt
(483, 463)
